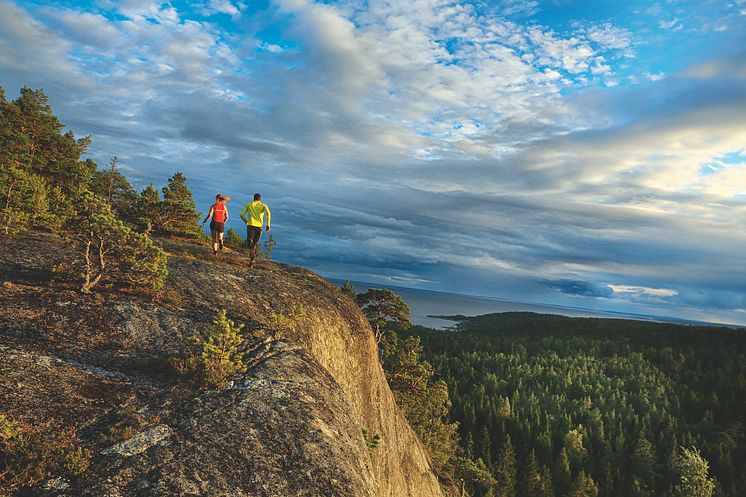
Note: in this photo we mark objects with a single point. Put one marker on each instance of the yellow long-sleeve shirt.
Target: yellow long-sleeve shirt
(256, 211)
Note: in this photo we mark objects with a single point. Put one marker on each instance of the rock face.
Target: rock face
(291, 426)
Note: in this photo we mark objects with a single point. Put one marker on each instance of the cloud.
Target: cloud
(438, 142)
(610, 37)
(155, 10)
(581, 288)
(27, 48)
(643, 291)
(225, 7)
(672, 24)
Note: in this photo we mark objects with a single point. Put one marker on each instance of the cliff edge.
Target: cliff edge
(290, 426)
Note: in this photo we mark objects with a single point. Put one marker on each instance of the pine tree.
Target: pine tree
(24, 198)
(562, 473)
(220, 356)
(424, 401)
(147, 215)
(46, 150)
(383, 307)
(267, 247)
(692, 472)
(179, 215)
(110, 250)
(117, 190)
(505, 471)
(503, 408)
(583, 486)
(532, 477)
(349, 289)
(546, 488)
(40, 168)
(643, 468)
(575, 448)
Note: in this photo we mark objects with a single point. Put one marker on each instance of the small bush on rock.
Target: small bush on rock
(283, 322)
(372, 441)
(219, 357)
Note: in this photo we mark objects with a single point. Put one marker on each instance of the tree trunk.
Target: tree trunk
(86, 288)
(89, 282)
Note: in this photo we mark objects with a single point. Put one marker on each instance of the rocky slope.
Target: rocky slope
(291, 426)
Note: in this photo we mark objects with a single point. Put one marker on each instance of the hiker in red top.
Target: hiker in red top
(219, 214)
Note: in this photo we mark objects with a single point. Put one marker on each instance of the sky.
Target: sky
(582, 153)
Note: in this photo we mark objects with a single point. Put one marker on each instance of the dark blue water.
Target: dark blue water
(424, 304)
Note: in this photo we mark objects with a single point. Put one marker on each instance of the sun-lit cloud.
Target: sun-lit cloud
(641, 290)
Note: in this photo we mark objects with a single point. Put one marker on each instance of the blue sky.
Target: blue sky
(579, 153)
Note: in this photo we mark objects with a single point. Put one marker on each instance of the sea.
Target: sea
(426, 305)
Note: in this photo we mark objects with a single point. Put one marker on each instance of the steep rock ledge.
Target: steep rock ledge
(289, 427)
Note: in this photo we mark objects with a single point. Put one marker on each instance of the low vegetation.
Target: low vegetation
(32, 453)
(218, 356)
(372, 440)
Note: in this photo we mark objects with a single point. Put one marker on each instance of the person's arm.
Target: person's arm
(226, 214)
(244, 211)
(269, 216)
(209, 214)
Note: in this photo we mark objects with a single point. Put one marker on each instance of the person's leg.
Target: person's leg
(214, 237)
(221, 230)
(250, 244)
(252, 239)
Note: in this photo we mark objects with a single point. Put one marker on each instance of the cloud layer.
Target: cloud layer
(518, 151)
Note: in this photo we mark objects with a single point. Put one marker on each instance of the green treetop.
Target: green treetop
(349, 289)
(692, 472)
(179, 213)
(110, 250)
(148, 209)
(116, 189)
(383, 307)
(505, 471)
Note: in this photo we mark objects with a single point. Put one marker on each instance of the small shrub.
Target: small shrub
(30, 454)
(266, 248)
(219, 357)
(281, 323)
(372, 441)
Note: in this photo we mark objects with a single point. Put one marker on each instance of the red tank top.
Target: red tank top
(219, 214)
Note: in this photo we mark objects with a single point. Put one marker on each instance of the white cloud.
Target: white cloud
(674, 24)
(610, 37)
(27, 48)
(573, 55)
(655, 76)
(89, 29)
(641, 290)
(225, 7)
(156, 10)
(727, 182)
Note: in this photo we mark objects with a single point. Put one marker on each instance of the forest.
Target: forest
(558, 406)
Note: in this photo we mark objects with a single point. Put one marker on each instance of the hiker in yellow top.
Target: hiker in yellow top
(255, 211)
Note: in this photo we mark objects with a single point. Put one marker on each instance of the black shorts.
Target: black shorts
(215, 226)
(253, 234)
